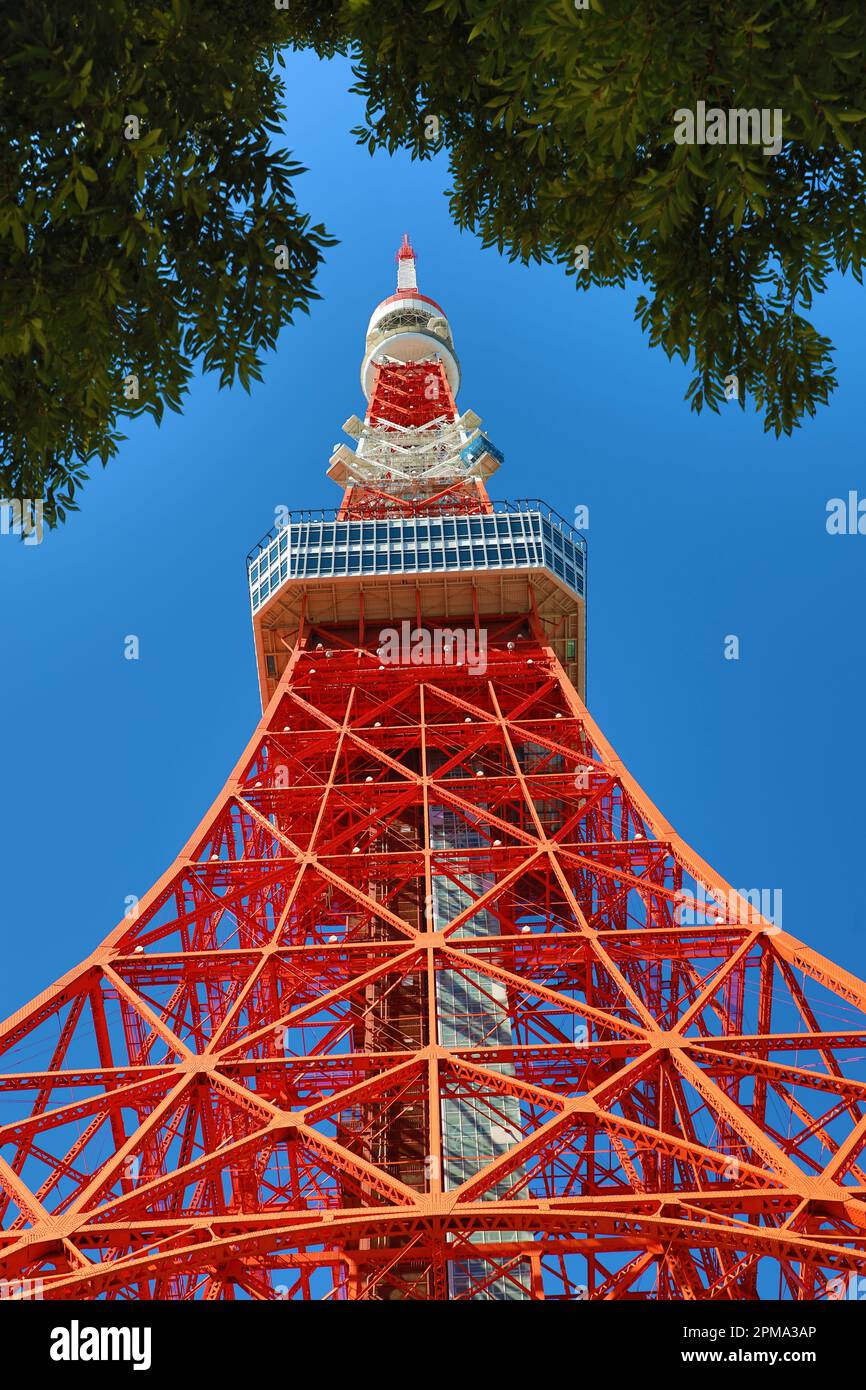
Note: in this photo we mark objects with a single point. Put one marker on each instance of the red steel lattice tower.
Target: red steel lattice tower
(434, 1003)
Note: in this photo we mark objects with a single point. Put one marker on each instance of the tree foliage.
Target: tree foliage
(123, 260)
(137, 256)
(559, 123)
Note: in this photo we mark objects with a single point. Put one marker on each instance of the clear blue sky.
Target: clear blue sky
(699, 527)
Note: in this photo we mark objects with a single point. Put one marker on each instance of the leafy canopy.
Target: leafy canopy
(136, 256)
(126, 258)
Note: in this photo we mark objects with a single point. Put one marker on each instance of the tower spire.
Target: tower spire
(413, 441)
(406, 275)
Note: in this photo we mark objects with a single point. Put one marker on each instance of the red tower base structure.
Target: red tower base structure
(217, 1089)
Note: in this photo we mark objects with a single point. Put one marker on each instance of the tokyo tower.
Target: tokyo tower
(434, 1004)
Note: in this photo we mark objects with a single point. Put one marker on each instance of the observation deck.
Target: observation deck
(518, 556)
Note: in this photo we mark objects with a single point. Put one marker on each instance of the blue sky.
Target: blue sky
(700, 527)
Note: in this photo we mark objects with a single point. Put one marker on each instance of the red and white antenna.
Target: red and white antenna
(406, 278)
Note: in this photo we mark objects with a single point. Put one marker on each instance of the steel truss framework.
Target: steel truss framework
(206, 1106)
(412, 436)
